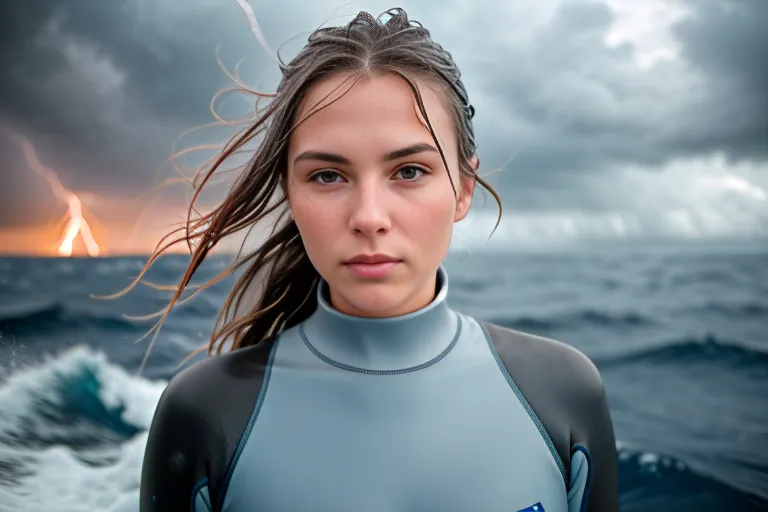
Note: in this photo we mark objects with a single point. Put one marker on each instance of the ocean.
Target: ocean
(679, 333)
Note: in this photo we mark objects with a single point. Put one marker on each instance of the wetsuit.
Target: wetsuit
(431, 411)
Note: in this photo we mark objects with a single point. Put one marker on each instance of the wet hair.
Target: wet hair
(367, 46)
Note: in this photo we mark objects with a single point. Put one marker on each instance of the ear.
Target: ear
(467, 189)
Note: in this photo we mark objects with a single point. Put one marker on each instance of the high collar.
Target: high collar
(372, 345)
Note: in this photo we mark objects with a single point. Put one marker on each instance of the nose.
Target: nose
(369, 215)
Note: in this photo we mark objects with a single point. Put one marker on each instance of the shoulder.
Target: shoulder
(211, 378)
(565, 391)
(216, 395)
(552, 364)
(560, 384)
(199, 421)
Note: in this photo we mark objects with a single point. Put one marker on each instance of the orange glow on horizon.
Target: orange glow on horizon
(76, 223)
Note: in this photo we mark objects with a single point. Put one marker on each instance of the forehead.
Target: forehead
(375, 113)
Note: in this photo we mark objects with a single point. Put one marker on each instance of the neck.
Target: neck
(395, 343)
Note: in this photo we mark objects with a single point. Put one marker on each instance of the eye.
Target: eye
(411, 172)
(326, 177)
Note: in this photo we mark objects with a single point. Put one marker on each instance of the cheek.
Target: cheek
(431, 217)
(317, 223)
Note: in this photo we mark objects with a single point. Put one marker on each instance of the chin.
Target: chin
(372, 298)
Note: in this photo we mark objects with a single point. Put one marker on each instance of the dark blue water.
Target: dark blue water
(680, 335)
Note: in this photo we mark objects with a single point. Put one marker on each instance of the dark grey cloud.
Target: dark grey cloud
(109, 93)
(103, 88)
(588, 109)
(726, 41)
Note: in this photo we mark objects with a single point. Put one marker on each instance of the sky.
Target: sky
(596, 119)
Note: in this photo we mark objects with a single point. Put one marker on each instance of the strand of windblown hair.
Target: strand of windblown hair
(246, 7)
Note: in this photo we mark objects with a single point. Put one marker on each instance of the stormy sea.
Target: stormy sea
(679, 333)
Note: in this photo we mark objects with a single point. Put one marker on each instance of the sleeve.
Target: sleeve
(173, 475)
(593, 483)
(567, 393)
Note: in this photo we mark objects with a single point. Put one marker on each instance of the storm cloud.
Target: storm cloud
(103, 89)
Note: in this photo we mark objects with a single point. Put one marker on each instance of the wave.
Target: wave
(658, 482)
(723, 277)
(693, 350)
(56, 315)
(77, 399)
(575, 320)
(45, 318)
(57, 480)
(77, 421)
(73, 422)
(748, 309)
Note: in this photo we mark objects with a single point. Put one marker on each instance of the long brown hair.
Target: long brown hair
(365, 47)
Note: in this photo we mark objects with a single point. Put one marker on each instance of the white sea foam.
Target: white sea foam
(57, 478)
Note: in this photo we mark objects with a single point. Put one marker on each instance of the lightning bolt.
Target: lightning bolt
(76, 223)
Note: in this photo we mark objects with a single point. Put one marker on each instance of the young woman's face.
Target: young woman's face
(365, 180)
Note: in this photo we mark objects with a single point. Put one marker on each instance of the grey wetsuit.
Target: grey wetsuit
(431, 411)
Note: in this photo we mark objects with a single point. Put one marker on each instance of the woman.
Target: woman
(351, 385)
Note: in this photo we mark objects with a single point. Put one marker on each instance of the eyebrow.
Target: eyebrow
(392, 155)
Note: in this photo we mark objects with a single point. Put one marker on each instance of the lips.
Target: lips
(372, 266)
(371, 259)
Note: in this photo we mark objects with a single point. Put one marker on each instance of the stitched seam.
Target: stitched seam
(249, 427)
(526, 405)
(350, 368)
